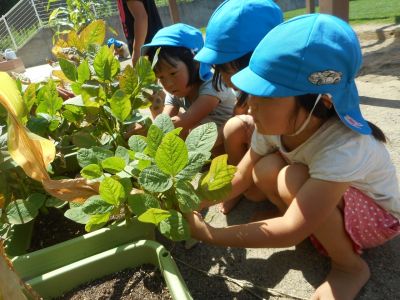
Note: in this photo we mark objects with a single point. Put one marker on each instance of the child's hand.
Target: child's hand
(199, 229)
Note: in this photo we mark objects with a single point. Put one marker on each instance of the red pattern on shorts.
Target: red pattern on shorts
(367, 224)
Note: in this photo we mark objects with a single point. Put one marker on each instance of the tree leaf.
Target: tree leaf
(175, 227)
(153, 180)
(112, 191)
(95, 205)
(202, 138)
(171, 156)
(154, 216)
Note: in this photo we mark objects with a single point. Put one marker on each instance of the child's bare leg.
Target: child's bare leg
(265, 176)
(236, 145)
(349, 271)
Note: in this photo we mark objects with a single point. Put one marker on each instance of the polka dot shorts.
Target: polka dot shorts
(367, 224)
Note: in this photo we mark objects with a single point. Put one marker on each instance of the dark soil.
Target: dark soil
(144, 282)
(53, 228)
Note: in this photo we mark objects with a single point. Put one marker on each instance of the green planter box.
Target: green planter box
(48, 259)
(63, 279)
(19, 240)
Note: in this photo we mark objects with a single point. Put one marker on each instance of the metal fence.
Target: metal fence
(23, 20)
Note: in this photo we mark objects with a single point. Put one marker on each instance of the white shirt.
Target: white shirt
(336, 153)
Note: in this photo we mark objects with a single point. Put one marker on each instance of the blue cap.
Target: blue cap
(309, 54)
(112, 41)
(236, 27)
(180, 35)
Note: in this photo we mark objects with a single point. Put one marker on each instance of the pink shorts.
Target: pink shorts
(367, 224)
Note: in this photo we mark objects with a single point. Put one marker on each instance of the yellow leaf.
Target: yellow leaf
(74, 40)
(2, 200)
(94, 33)
(76, 190)
(30, 151)
(60, 74)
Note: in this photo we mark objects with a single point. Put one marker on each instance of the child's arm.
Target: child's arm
(199, 110)
(243, 178)
(313, 203)
(170, 110)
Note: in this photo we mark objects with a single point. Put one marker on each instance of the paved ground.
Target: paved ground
(298, 270)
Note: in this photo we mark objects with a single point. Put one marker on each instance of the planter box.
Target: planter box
(45, 260)
(60, 280)
(19, 240)
(13, 65)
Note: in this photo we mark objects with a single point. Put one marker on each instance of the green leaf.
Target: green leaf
(94, 33)
(172, 155)
(164, 122)
(83, 72)
(120, 105)
(22, 211)
(140, 203)
(175, 227)
(94, 205)
(54, 202)
(187, 198)
(145, 72)
(113, 164)
(30, 96)
(96, 222)
(77, 215)
(202, 138)
(86, 157)
(101, 153)
(105, 64)
(128, 81)
(137, 143)
(154, 216)
(68, 69)
(123, 153)
(195, 162)
(220, 173)
(154, 138)
(153, 180)
(48, 99)
(92, 171)
(112, 191)
(84, 139)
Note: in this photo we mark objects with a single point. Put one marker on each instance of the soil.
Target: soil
(144, 282)
(53, 228)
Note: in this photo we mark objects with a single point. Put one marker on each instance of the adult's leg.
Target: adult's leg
(349, 271)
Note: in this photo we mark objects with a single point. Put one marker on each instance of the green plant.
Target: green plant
(157, 178)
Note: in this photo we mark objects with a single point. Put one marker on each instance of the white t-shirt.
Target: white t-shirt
(336, 153)
(220, 114)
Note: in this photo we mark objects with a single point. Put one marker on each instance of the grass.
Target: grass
(365, 11)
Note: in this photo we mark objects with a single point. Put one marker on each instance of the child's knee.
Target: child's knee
(266, 171)
(233, 127)
(290, 179)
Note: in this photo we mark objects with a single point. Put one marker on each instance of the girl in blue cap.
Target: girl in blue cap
(233, 32)
(313, 154)
(187, 83)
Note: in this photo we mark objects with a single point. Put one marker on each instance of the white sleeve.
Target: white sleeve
(261, 144)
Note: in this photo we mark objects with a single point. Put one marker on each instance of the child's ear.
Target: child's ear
(327, 100)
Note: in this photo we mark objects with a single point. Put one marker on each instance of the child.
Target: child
(233, 32)
(313, 154)
(120, 48)
(187, 83)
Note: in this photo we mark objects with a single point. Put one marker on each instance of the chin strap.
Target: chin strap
(304, 125)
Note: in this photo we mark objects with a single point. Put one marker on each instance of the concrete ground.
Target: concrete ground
(293, 273)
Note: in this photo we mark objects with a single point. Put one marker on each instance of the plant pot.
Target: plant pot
(60, 280)
(45, 260)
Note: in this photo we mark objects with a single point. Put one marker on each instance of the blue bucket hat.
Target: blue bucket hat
(112, 41)
(236, 27)
(309, 54)
(180, 35)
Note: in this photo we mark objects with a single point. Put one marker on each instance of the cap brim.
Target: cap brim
(253, 84)
(213, 57)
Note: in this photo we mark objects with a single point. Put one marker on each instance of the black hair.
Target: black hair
(171, 54)
(237, 64)
(307, 102)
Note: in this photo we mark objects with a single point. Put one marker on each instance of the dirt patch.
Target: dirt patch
(144, 282)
